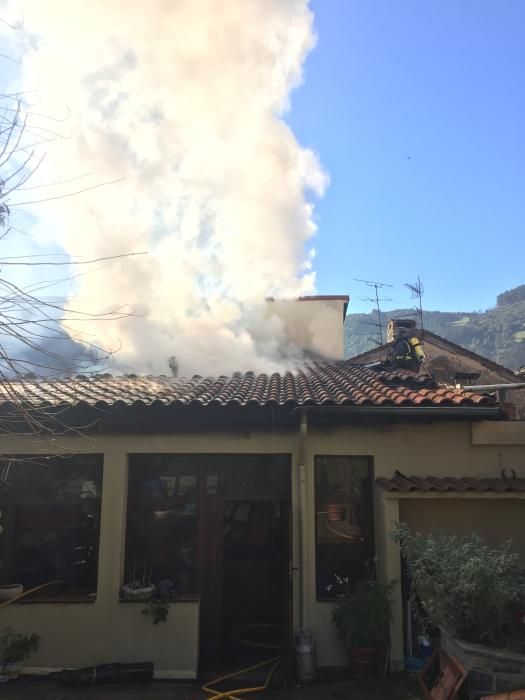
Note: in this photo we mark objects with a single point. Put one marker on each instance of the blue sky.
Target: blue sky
(417, 110)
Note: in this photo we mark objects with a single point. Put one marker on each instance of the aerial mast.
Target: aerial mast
(376, 300)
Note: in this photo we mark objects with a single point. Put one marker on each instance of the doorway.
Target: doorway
(245, 562)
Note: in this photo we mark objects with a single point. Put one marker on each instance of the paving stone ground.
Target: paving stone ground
(398, 688)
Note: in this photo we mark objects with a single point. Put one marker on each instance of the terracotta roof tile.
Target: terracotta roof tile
(320, 384)
(450, 484)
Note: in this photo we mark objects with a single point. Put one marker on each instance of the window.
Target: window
(50, 523)
(344, 524)
(162, 529)
(171, 504)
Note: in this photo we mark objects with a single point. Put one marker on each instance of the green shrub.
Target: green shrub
(475, 591)
(362, 620)
(16, 647)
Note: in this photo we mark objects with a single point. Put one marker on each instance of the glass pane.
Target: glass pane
(341, 477)
(161, 476)
(57, 542)
(344, 524)
(162, 546)
(50, 522)
(252, 531)
(244, 477)
(51, 479)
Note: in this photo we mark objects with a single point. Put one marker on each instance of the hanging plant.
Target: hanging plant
(158, 609)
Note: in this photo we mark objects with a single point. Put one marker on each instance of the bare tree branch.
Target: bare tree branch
(34, 329)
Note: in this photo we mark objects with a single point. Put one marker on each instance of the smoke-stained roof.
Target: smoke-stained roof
(320, 384)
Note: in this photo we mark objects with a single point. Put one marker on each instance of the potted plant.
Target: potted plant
(14, 648)
(473, 590)
(138, 588)
(362, 621)
(11, 590)
(158, 608)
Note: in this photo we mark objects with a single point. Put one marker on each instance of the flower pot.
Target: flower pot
(10, 591)
(365, 661)
(336, 512)
(11, 669)
(140, 594)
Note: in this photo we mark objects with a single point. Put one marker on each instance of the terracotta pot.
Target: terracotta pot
(364, 662)
(336, 512)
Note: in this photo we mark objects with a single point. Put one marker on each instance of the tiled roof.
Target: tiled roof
(320, 384)
(447, 484)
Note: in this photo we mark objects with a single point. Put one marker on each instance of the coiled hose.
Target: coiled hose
(30, 590)
(236, 694)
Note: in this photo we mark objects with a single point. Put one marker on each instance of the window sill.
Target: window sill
(177, 598)
(61, 599)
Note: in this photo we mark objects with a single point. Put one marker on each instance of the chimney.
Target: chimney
(406, 325)
(315, 324)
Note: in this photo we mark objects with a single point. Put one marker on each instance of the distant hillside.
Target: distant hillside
(497, 333)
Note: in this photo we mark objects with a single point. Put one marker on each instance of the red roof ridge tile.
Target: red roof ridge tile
(405, 484)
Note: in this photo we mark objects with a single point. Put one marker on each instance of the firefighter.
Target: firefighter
(407, 351)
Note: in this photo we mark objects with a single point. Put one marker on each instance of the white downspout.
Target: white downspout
(303, 524)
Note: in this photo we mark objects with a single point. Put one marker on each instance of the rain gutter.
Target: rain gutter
(480, 412)
(493, 387)
(303, 524)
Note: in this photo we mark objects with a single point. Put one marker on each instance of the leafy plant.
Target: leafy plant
(158, 609)
(136, 581)
(362, 620)
(475, 591)
(15, 647)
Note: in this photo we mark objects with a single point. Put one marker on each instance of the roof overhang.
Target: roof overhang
(452, 487)
(470, 412)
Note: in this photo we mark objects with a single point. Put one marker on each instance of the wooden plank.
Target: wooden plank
(442, 677)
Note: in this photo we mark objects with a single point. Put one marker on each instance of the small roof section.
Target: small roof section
(368, 355)
(450, 484)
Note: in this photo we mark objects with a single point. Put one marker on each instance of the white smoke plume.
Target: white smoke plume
(182, 102)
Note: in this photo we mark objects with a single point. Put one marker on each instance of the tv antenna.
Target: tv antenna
(375, 300)
(417, 290)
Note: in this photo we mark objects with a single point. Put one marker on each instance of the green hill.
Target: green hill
(497, 333)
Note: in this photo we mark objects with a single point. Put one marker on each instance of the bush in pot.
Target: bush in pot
(475, 591)
(14, 648)
(363, 624)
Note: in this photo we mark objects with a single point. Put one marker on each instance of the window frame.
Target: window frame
(9, 504)
(203, 463)
(371, 543)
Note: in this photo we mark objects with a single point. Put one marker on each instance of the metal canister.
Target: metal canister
(306, 661)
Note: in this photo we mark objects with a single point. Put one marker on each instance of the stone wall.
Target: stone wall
(489, 670)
